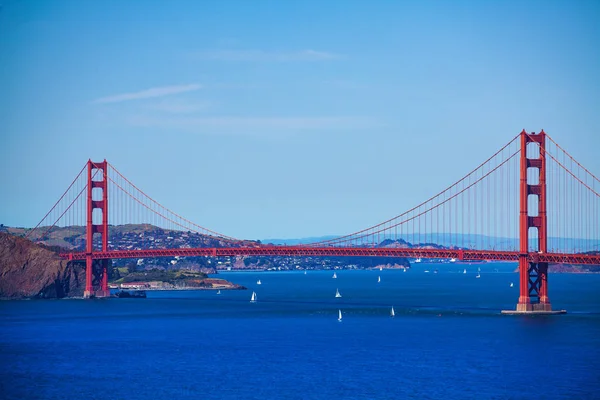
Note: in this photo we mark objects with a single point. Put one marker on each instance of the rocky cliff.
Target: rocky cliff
(29, 270)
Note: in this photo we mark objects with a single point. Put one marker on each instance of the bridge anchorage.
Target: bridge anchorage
(531, 189)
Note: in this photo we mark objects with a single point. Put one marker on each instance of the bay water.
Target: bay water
(447, 340)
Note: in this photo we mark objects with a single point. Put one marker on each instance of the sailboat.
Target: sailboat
(404, 269)
(334, 276)
(464, 271)
(219, 291)
(340, 315)
(381, 268)
(392, 313)
(337, 293)
(511, 284)
(378, 279)
(304, 272)
(258, 282)
(253, 298)
(478, 274)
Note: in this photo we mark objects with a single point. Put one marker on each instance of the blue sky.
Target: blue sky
(286, 119)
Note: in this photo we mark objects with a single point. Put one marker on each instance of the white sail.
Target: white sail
(392, 313)
(219, 291)
(381, 268)
(253, 298)
(511, 284)
(337, 293)
(464, 271)
(258, 282)
(334, 275)
(340, 315)
(378, 279)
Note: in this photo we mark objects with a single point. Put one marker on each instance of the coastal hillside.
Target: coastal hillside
(31, 270)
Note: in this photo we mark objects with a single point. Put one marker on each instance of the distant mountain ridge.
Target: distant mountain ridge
(73, 237)
(460, 240)
(305, 240)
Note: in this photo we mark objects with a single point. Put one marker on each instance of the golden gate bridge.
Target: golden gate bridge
(531, 189)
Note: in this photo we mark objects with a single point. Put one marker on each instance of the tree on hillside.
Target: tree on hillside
(131, 266)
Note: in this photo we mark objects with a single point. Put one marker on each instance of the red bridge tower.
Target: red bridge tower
(96, 201)
(533, 275)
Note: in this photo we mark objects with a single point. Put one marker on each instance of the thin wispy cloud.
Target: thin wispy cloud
(267, 56)
(149, 93)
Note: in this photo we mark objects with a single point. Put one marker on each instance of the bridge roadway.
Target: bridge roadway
(462, 255)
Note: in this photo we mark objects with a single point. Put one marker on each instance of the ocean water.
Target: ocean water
(447, 341)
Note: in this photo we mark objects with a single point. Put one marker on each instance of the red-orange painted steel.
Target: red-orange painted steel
(466, 255)
(91, 228)
(89, 243)
(543, 226)
(524, 299)
(533, 274)
(104, 284)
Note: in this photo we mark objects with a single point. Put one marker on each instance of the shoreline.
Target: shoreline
(185, 288)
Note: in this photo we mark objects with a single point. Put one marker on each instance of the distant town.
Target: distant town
(131, 237)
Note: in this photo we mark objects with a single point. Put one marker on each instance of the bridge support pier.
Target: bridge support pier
(535, 298)
(534, 292)
(90, 267)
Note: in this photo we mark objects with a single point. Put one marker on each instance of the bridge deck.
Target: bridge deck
(466, 255)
